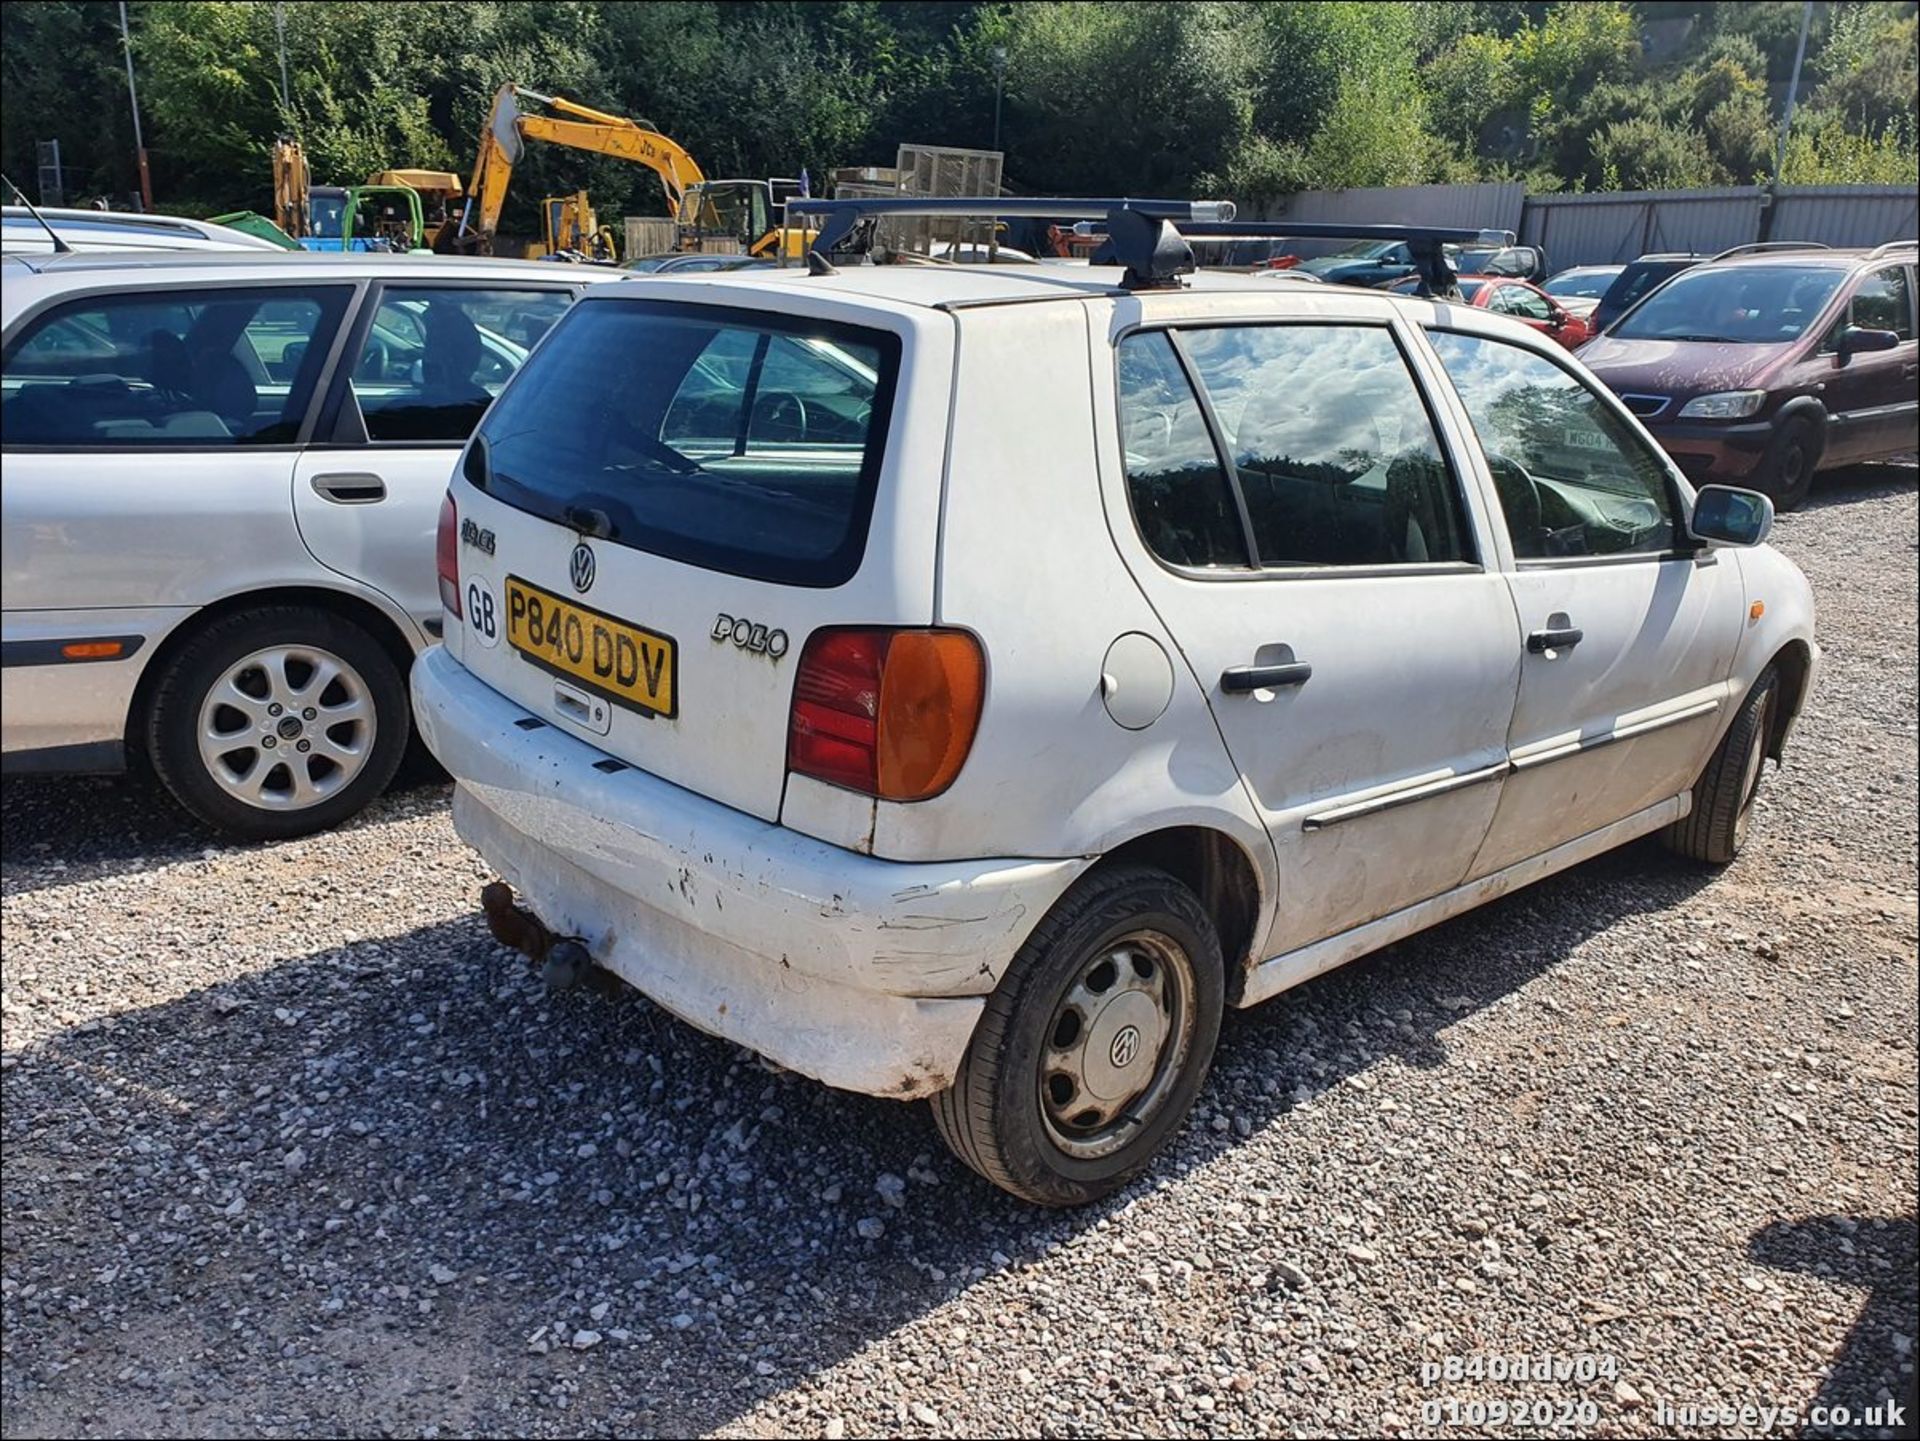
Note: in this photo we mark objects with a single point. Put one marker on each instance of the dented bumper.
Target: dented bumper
(866, 974)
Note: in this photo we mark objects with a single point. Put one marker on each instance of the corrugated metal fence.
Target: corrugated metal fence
(1617, 226)
(1483, 207)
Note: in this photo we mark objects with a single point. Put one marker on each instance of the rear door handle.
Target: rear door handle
(350, 488)
(1563, 638)
(1241, 679)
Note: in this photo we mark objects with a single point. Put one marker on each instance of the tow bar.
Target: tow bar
(562, 960)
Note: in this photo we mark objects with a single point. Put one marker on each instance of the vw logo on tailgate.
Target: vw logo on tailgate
(580, 569)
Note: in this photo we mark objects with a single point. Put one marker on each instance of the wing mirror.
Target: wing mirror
(1521, 261)
(1858, 340)
(1723, 515)
(1557, 320)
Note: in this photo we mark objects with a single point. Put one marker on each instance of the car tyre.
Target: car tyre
(1786, 470)
(278, 722)
(1094, 1045)
(1716, 828)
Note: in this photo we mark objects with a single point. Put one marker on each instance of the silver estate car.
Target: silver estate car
(223, 473)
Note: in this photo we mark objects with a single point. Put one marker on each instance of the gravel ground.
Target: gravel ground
(292, 1148)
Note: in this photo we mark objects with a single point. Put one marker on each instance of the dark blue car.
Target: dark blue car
(1366, 262)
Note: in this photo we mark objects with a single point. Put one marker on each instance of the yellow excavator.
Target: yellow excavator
(728, 215)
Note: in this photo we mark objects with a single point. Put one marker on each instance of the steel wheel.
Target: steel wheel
(286, 727)
(1117, 1041)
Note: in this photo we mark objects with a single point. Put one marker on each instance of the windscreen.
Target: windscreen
(1580, 284)
(1738, 305)
(728, 439)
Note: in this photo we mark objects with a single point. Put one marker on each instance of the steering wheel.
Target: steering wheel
(375, 360)
(779, 415)
(1519, 494)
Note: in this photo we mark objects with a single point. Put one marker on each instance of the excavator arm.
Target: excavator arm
(503, 141)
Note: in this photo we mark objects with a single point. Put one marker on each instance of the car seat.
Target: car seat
(452, 353)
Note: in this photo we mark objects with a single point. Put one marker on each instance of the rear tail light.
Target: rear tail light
(889, 713)
(446, 556)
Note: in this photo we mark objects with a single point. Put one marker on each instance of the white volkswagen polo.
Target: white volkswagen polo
(965, 682)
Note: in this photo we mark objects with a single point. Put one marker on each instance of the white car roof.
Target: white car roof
(32, 278)
(954, 286)
(301, 264)
(99, 230)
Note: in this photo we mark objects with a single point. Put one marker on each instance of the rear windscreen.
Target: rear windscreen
(728, 439)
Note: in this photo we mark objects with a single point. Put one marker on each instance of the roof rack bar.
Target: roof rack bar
(1890, 247)
(1759, 246)
(839, 218)
(1138, 229)
(1318, 230)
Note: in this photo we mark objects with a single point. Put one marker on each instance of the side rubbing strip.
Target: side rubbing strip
(1580, 745)
(1404, 797)
(82, 651)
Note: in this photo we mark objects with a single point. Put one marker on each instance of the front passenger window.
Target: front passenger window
(436, 356)
(1573, 479)
(1882, 303)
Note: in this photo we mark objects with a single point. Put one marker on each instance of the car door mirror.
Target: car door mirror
(1723, 515)
(1858, 340)
(1557, 320)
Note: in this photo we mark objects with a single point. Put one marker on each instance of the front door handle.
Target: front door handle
(1560, 638)
(350, 488)
(1241, 679)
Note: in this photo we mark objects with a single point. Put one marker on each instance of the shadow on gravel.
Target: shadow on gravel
(311, 1154)
(58, 831)
(1879, 1256)
(1851, 483)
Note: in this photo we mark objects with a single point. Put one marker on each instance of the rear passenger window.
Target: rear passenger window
(195, 368)
(735, 440)
(1573, 480)
(1331, 446)
(1181, 502)
(435, 357)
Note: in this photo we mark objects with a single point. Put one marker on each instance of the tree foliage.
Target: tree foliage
(1253, 98)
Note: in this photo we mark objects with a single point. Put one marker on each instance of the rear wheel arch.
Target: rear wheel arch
(348, 607)
(1217, 869)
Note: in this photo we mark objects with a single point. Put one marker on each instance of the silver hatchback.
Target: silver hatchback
(223, 474)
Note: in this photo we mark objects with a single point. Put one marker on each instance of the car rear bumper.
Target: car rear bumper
(866, 974)
(1705, 451)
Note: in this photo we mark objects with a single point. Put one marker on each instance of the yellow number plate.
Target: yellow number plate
(626, 663)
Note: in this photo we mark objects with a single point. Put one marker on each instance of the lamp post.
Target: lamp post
(280, 31)
(999, 57)
(1793, 94)
(133, 98)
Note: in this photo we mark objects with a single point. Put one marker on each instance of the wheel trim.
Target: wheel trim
(1116, 1044)
(286, 727)
(1793, 464)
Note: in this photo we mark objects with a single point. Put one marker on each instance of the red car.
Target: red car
(1521, 299)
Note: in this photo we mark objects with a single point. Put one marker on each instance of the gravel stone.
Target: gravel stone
(1604, 1103)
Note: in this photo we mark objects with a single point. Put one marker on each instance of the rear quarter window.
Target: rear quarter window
(728, 439)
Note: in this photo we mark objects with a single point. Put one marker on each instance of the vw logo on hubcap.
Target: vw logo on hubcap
(1126, 1045)
(580, 569)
